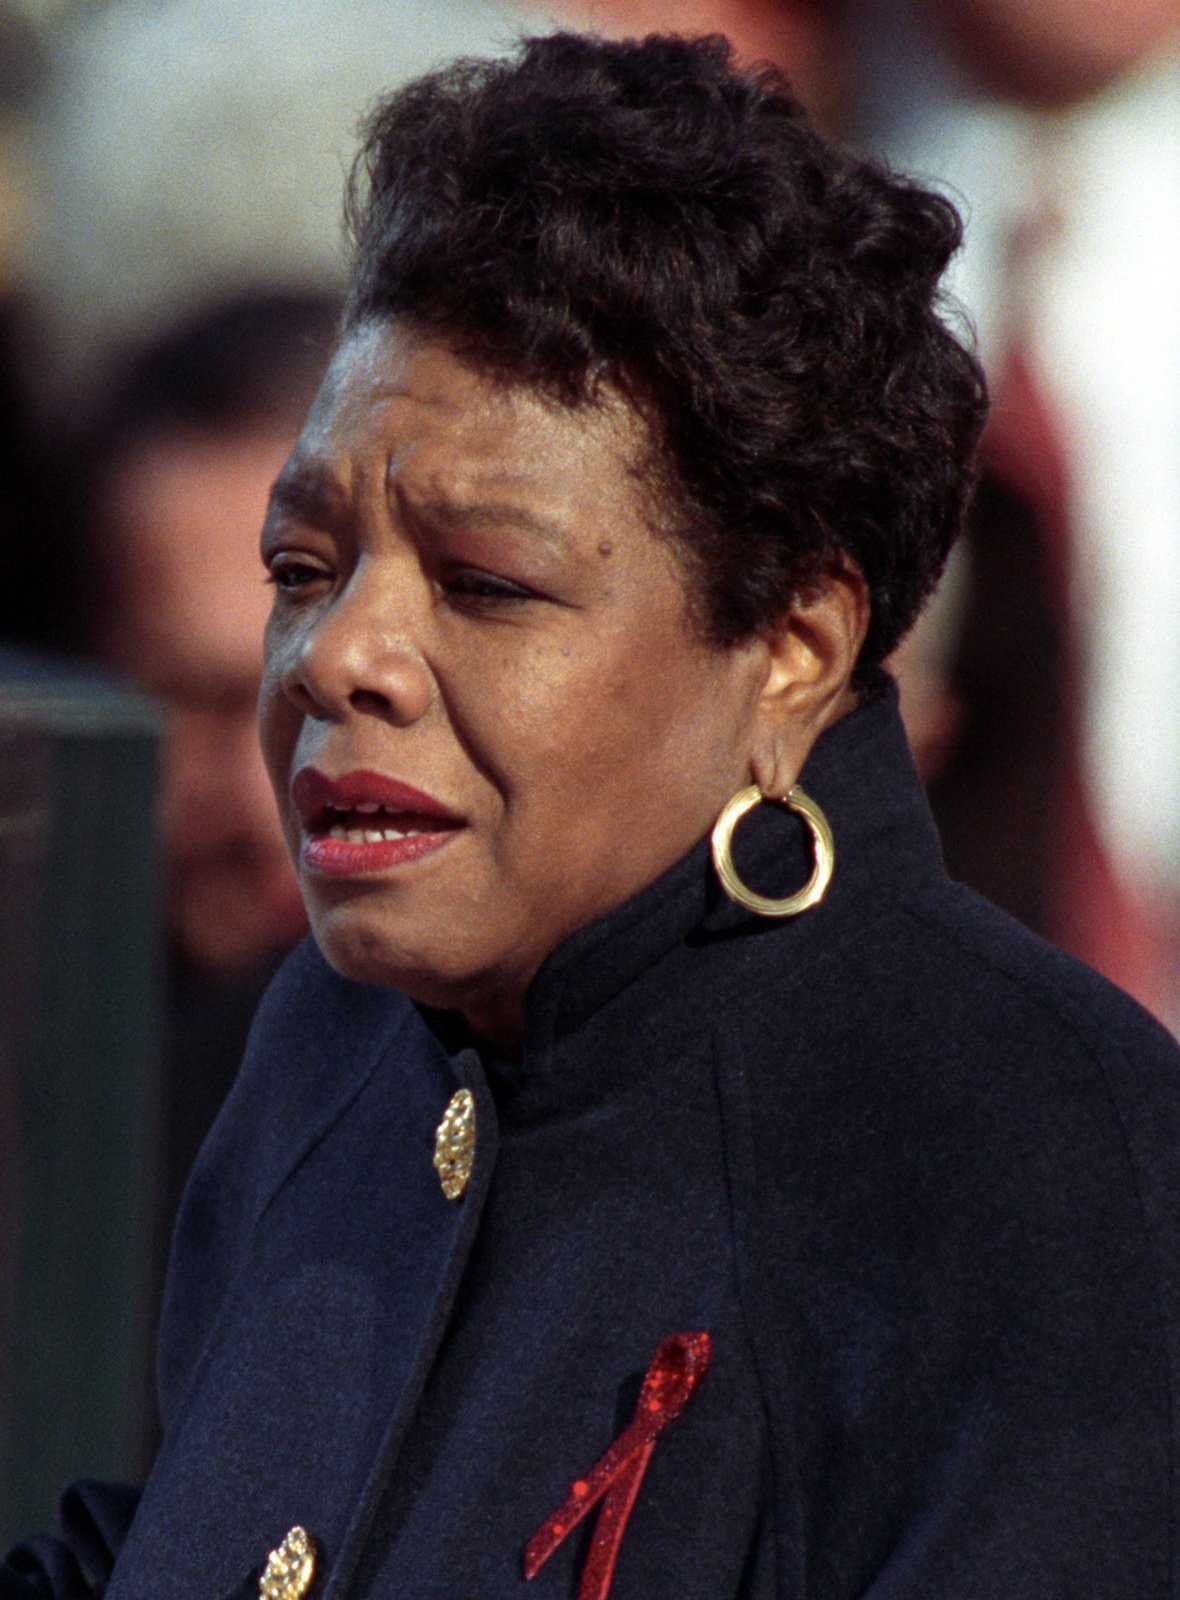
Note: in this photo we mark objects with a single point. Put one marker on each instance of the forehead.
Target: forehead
(411, 408)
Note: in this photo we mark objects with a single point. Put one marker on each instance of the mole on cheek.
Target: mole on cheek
(606, 548)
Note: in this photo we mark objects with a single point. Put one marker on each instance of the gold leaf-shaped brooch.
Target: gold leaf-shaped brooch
(290, 1568)
(454, 1144)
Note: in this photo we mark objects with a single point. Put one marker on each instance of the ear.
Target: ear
(812, 653)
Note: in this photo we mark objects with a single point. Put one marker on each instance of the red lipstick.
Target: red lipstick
(365, 822)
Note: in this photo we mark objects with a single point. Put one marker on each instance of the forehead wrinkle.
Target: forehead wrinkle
(478, 499)
(453, 515)
(478, 487)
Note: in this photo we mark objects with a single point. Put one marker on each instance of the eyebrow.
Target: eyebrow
(308, 493)
(454, 515)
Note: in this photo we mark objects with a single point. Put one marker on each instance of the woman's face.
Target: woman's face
(484, 713)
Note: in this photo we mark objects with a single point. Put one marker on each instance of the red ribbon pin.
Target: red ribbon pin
(678, 1365)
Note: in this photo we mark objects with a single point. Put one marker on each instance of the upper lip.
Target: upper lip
(314, 794)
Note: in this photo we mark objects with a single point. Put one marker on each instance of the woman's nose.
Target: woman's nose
(360, 654)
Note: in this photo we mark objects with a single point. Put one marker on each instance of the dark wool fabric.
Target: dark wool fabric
(916, 1174)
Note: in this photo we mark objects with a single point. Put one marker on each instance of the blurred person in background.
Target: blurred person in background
(168, 595)
(1057, 127)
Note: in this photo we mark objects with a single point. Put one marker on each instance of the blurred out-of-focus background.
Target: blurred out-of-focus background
(170, 272)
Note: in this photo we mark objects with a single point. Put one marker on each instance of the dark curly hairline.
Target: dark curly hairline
(766, 301)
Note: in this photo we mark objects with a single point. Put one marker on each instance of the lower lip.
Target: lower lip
(341, 858)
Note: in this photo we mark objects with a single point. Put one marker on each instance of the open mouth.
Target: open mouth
(366, 822)
(370, 823)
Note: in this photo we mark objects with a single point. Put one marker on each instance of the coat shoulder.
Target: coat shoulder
(946, 988)
(957, 1160)
(946, 1076)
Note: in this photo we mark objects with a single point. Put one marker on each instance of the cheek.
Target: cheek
(510, 706)
(601, 725)
(679, 736)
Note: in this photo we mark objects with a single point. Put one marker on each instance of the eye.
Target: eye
(289, 572)
(473, 587)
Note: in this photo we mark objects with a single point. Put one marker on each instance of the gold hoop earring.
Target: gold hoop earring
(813, 890)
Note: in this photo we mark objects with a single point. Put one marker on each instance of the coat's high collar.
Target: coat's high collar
(861, 774)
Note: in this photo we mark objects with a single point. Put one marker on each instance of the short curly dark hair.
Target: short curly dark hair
(640, 213)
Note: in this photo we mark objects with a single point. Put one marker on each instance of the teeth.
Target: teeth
(365, 835)
(369, 807)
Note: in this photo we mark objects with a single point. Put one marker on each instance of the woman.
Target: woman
(634, 1192)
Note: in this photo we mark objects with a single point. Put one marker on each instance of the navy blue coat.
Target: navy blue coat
(916, 1174)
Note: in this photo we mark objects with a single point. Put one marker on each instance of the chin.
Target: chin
(360, 949)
